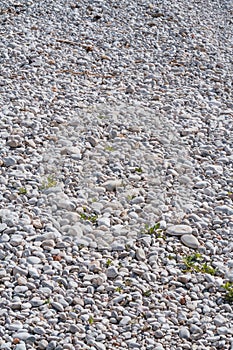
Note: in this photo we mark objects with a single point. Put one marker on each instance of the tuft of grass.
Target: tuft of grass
(22, 190)
(92, 217)
(155, 230)
(138, 170)
(171, 257)
(48, 183)
(228, 286)
(128, 282)
(205, 268)
(147, 293)
(119, 289)
(91, 320)
(194, 263)
(108, 262)
(230, 195)
(102, 116)
(109, 148)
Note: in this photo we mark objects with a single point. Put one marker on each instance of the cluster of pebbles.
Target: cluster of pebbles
(116, 134)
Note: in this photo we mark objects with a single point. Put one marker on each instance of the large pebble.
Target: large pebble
(112, 272)
(190, 241)
(112, 185)
(224, 209)
(179, 230)
(184, 333)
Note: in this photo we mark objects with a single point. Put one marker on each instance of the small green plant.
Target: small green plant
(147, 293)
(194, 263)
(128, 282)
(108, 262)
(22, 190)
(155, 230)
(205, 268)
(138, 170)
(130, 197)
(228, 286)
(91, 320)
(109, 148)
(119, 289)
(48, 183)
(102, 116)
(230, 195)
(92, 218)
(171, 257)
(191, 261)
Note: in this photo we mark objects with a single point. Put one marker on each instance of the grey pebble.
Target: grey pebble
(21, 346)
(190, 241)
(179, 230)
(140, 254)
(112, 272)
(57, 306)
(184, 333)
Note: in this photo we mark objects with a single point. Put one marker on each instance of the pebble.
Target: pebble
(112, 185)
(184, 333)
(179, 230)
(190, 241)
(21, 346)
(140, 254)
(112, 272)
(22, 335)
(219, 320)
(224, 209)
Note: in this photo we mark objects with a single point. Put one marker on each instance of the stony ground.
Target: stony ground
(116, 175)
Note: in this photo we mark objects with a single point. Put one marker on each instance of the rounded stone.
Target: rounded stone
(184, 333)
(190, 241)
(179, 230)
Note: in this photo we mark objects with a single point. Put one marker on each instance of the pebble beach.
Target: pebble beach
(116, 175)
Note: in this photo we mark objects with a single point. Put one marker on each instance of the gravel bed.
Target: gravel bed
(116, 176)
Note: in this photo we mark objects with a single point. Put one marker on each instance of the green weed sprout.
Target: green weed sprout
(92, 218)
(138, 170)
(155, 230)
(91, 320)
(228, 286)
(22, 190)
(49, 182)
(194, 263)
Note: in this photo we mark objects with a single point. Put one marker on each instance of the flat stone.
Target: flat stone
(190, 241)
(36, 302)
(179, 230)
(57, 306)
(112, 185)
(33, 260)
(20, 289)
(22, 335)
(224, 209)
